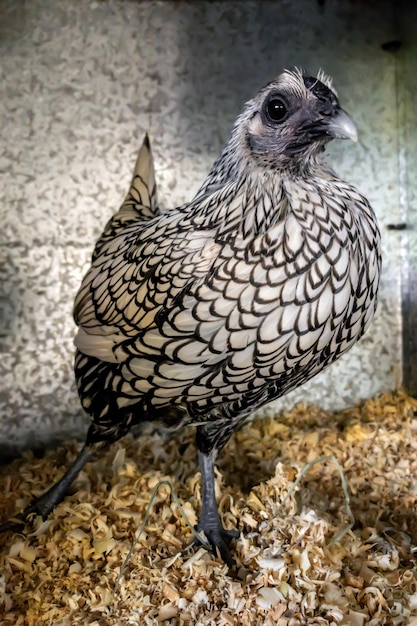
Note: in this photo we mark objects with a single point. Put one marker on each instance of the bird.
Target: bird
(201, 314)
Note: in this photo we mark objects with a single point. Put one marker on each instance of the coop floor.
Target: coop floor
(75, 568)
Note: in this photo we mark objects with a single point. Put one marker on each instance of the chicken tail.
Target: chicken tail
(141, 199)
(140, 203)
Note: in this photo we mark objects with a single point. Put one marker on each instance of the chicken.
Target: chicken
(202, 314)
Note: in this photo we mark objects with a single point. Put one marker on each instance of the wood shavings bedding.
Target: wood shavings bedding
(65, 571)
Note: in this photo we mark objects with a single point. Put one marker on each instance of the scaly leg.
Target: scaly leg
(209, 521)
(45, 503)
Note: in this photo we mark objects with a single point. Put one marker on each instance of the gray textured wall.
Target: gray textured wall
(81, 83)
(406, 70)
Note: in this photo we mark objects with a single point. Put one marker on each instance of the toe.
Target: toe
(219, 539)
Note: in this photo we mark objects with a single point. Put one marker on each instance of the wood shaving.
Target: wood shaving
(64, 571)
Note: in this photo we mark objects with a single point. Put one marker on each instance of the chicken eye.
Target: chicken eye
(276, 110)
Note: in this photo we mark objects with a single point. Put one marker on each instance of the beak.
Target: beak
(341, 126)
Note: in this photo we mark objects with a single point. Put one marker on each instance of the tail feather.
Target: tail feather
(141, 199)
(140, 202)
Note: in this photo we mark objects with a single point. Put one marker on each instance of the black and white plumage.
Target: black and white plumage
(202, 314)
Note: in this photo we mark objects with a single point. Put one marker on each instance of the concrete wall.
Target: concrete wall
(406, 70)
(83, 81)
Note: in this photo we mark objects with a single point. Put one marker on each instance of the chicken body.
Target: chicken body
(202, 314)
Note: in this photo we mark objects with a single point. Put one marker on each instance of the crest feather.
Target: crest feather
(300, 72)
(326, 80)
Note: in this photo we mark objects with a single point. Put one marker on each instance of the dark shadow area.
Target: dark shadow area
(406, 68)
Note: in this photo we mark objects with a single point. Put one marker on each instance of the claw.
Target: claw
(14, 524)
(46, 503)
(219, 538)
(41, 506)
